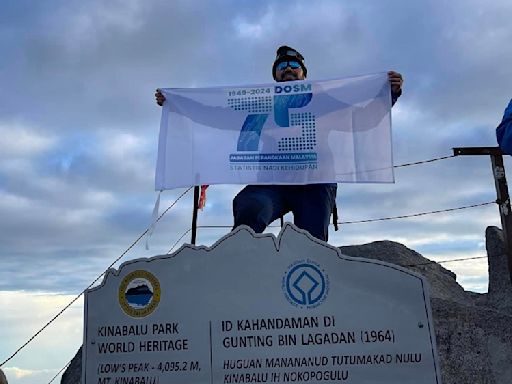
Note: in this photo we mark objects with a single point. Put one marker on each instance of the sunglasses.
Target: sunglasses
(284, 64)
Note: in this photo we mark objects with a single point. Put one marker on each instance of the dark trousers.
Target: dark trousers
(312, 204)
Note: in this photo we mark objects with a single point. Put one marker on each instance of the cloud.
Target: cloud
(19, 140)
(25, 313)
(19, 373)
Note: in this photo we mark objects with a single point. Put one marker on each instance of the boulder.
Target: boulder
(500, 288)
(3, 379)
(473, 331)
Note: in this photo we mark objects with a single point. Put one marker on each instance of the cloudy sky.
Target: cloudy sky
(79, 129)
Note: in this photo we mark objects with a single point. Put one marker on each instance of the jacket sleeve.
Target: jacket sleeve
(395, 96)
(504, 131)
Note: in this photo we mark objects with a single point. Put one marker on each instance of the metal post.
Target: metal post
(194, 214)
(503, 199)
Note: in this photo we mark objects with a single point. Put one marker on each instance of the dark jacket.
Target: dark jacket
(504, 131)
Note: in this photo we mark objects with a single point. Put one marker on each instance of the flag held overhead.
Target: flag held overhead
(335, 131)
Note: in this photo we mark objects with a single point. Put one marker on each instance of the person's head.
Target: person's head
(289, 65)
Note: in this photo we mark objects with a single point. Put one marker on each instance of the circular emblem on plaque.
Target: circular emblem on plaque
(139, 293)
(305, 284)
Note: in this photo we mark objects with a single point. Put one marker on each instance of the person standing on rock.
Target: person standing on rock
(311, 204)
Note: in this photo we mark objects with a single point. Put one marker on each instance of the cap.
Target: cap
(285, 53)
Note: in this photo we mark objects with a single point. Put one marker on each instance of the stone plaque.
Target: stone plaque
(256, 309)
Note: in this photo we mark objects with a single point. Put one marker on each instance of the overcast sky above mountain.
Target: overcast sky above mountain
(79, 129)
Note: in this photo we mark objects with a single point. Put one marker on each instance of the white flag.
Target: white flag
(299, 132)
